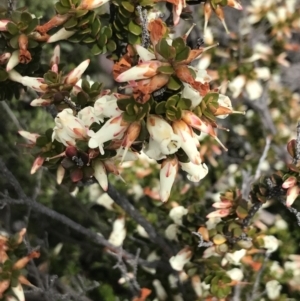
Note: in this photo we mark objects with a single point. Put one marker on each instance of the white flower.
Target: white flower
(178, 261)
(88, 116)
(61, 34)
(177, 213)
(68, 128)
(273, 288)
(225, 102)
(106, 201)
(192, 94)
(106, 107)
(235, 274)
(161, 131)
(153, 151)
(234, 258)
(13, 60)
(271, 243)
(118, 233)
(167, 175)
(35, 83)
(113, 128)
(195, 172)
(185, 134)
(141, 231)
(144, 54)
(171, 232)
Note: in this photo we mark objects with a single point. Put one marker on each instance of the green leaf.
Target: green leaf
(123, 103)
(129, 118)
(41, 141)
(61, 9)
(65, 3)
(174, 83)
(111, 46)
(102, 40)
(164, 49)
(134, 28)
(96, 26)
(166, 70)
(89, 40)
(14, 42)
(16, 16)
(83, 23)
(160, 108)
(12, 28)
(96, 50)
(81, 12)
(32, 43)
(108, 32)
(133, 39)
(26, 17)
(3, 75)
(31, 26)
(71, 23)
(128, 6)
(184, 104)
(182, 55)
(50, 77)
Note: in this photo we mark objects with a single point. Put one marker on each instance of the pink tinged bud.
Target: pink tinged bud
(168, 172)
(29, 136)
(141, 71)
(13, 61)
(224, 101)
(4, 285)
(54, 68)
(37, 164)
(207, 13)
(289, 182)
(55, 59)
(36, 83)
(292, 194)
(100, 174)
(4, 57)
(195, 172)
(40, 102)
(235, 4)
(162, 132)
(220, 14)
(3, 24)
(60, 173)
(144, 54)
(177, 9)
(178, 261)
(195, 122)
(219, 213)
(62, 34)
(91, 4)
(114, 128)
(74, 76)
(187, 140)
(222, 204)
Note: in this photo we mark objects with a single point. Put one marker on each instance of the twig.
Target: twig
(262, 158)
(124, 203)
(11, 114)
(297, 155)
(144, 24)
(24, 200)
(258, 278)
(201, 242)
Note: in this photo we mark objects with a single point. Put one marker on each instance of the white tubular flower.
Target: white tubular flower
(187, 140)
(152, 150)
(106, 107)
(168, 172)
(61, 34)
(195, 172)
(292, 194)
(234, 258)
(118, 233)
(160, 291)
(254, 89)
(87, 116)
(235, 274)
(236, 86)
(271, 243)
(144, 54)
(171, 232)
(191, 94)
(225, 102)
(18, 293)
(113, 128)
(162, 132)
(178, 261)
(35, 83)
(141, 71)
(91, 4)
(74, 76)
(100, 174)
(29, 136)
(60, 173)
(13, 61)
(177, 213)
(68, 128)
(37, 164)
(201, 75)
(273, 288)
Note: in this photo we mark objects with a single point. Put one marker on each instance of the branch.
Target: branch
(24, 200)
(297, 155)
(124, 203)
